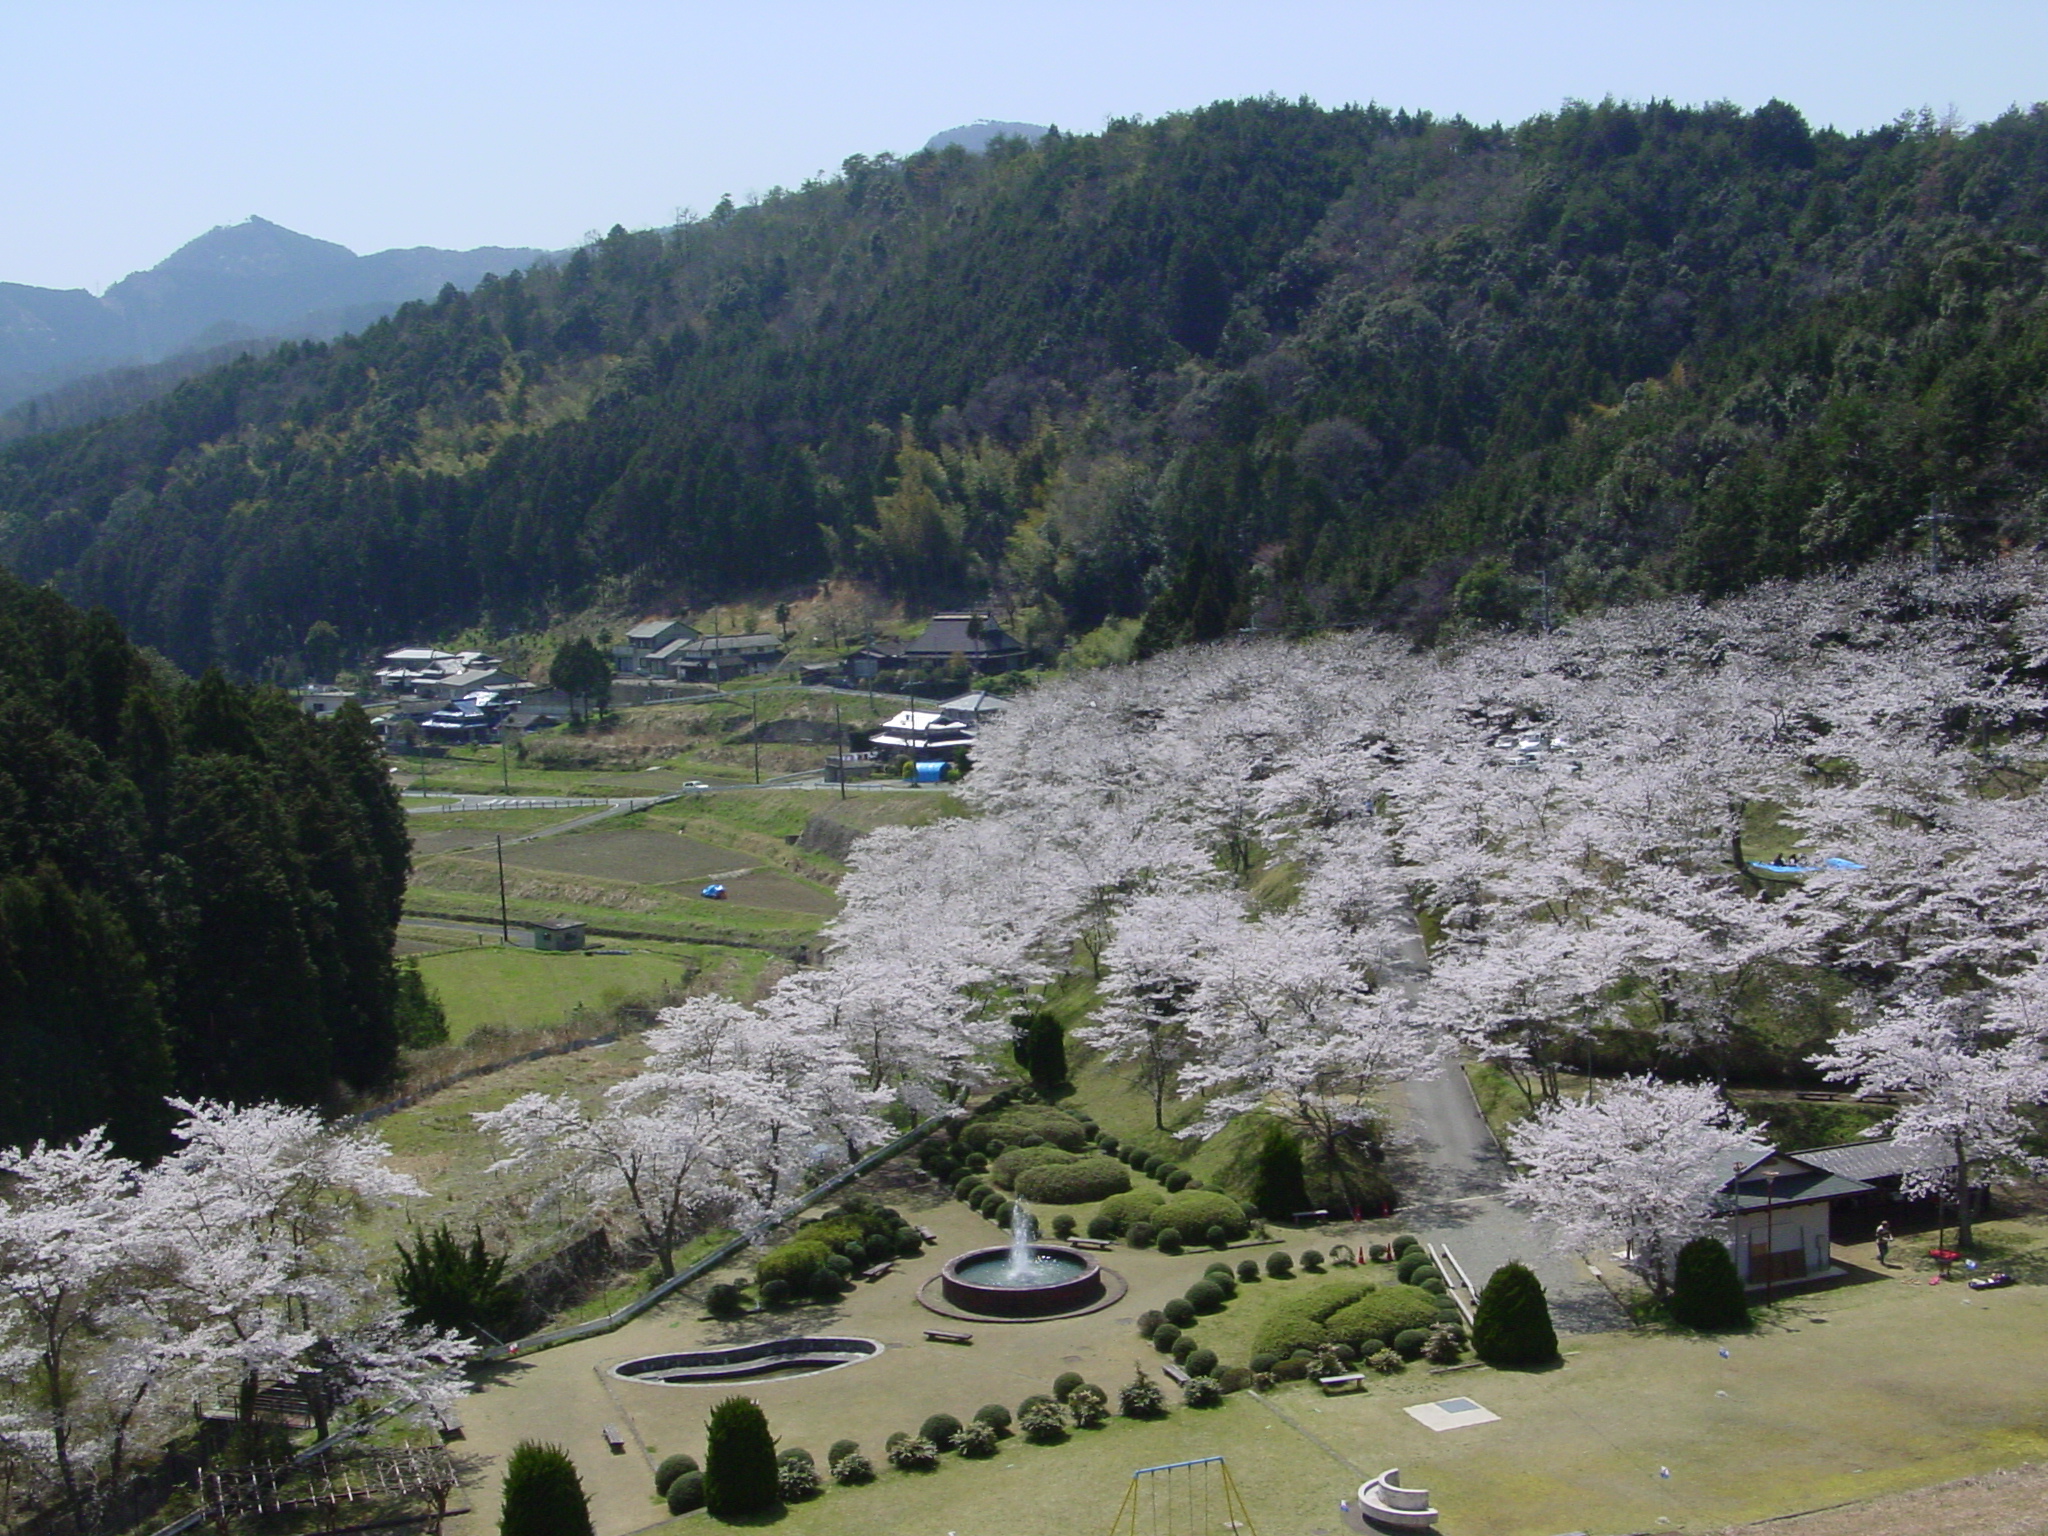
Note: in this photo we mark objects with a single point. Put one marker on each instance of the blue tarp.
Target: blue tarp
(930, 773)
(715, 892)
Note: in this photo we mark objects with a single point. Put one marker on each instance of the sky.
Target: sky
(133, 126)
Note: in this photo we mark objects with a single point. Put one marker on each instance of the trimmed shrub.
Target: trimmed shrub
(1385, 1361)
(1279, 1265)
(1015, 1163)
(794, 1261)
(796, 1481)
(1441, 1347)
(686, 1493)
(1063, 1385)
(1122, 1210)
(1433, 1284)
(1063, 1225)
(1088, 1406)
(775, 1293)
(1279, 1185)
(1043, 1423)
(1248, 1270)
(739, 1460)
(1706, 1293)
(1140, 1397)
(1409, 1342)
(1164, 1337)
(1217, 1236)
(964, 1187)
(839, 1265)
(1011, 1125)
(1101, 1228)
(1233, 1378)
(1183, 1347)
(1381, 1253)
(978, 1161)
(1140, 1234)
(671, 1468)
(1205, 1296)
(975, 1439)
(1298, 1322)
(724, 1300)
(1422, 1272)
(1197, 1210)
(1036, 1397)
(908, 1244)
(1004, 1212)
(1381, 1313)
(942, 1429)
(1180, 1312)
(994, 1415)
(1201, 1391)
(1409, 1262)
(1170, 1240)
(1224, 1281)
(1291, 1370)
(1512, 1324)
(1264, 1362)
(1148, 1323)
(840, 1448)
(853, 1468)
(1312, 1261)
(1403, 1243)
(913, 1454)
(1107, 1142)
(1078, 1182)
(1177, 1181)
(543, 1496)
(1202, 1362)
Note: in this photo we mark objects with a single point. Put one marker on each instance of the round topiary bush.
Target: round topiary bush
(1197, 1210)
(1180, 1312)
(1233, 1378)
(1403, 1243)
(1279, 1265)
(1122, 1210)
(1034, 1398)
(1409, 1262)
(1081, 1182)
(994, 1415)
(686, 1493)
(1063, 1385)
(739, 1460)
(1003, 1214)
(1224, 1281)
(1432, 1284)
(908, 1244)
(1183, 1347)
(1202, 1362)
(964, 1188)
(1177, 1181)
(1007, 1169)
(1706, 1292)
(942, 1429)
(1205, 1296)
(1248, 1270)
(1217, 1236)
(1107, 1142)
(774, 1293)
(1380, 1313)
(1512, 1323)
(1063, 1226)
(794, 1261)
(724, 1300)
(1201, 1391)
(840, 1450)
(1264, 1362)
(1164, 1337)
(1148, 1323)
(1169, 1240)
(671, 1468)
(1141, 1234)
(1409, 1342)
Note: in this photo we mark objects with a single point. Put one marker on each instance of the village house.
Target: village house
(714, 658)
(922, 734)
(973, 639)
(1780, 1209)
(647, 645)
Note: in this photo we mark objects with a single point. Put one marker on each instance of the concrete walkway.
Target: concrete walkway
(1452, 1172)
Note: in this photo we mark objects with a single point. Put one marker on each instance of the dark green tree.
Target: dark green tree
(739, 1461)
(1279, 1182)
(583, 672)
(1039, 1043)
(322, 651)
(1512, 1323)
(543, 1495)
(449, 1285)
(420, 1019)
(1706, 1292)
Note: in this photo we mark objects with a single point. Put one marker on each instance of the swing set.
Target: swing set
(1182, 1498)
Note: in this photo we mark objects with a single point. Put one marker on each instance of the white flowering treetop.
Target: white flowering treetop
(1637, 1166)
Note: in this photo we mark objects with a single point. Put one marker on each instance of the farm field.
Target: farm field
(509, 988)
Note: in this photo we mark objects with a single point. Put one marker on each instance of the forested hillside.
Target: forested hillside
(1258, 362)
(198, 887)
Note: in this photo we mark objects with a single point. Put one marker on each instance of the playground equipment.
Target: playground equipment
(1182, 1498)
(1383, 1501)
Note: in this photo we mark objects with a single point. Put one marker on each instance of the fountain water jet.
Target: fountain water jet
(1026, 1279)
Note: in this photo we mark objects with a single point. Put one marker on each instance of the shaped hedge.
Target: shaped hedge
(1197, 1210)
(1010, 1126)
(1078, 1182)
(1006, 1169)
(1138, 1205)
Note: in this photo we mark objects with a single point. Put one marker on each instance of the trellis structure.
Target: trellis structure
(1182, 1498)
(404, 1475)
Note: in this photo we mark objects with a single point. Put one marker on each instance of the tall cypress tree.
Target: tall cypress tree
(543, 1495)
(1512, 1324)
(739, 1461)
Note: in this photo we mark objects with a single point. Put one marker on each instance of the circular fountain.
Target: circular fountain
(1028, 1279)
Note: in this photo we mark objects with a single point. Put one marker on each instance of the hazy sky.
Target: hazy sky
(130, 126)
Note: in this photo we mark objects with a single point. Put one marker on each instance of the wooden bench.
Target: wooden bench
(876, 1271)
(614, 1439)
(941, 1336)
(1174, 1374)
(1089, 1242)
(1332, 1385)
(928, 1234)
(1303, 1218)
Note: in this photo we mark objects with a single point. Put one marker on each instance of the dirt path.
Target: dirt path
(2009, 1503)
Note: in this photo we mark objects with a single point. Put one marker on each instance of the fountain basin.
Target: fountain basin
(1059, 1279)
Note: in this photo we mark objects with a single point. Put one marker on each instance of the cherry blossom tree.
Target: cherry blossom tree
(1636, 1165)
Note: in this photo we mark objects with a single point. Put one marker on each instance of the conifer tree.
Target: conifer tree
(739, 1461)
(543, 1494)
(1279, 1186)
(1707, 1293)
(1512, 1325)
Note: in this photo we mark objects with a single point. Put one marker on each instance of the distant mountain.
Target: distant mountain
(237, 282)
(978, 135)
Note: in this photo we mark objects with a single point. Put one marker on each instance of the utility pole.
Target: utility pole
(756, 734)
(504, 920)
(839, 745)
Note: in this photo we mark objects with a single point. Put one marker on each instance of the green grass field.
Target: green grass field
(509, 988)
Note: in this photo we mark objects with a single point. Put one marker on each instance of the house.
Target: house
(713, 658)
(322, 702)
(1780, 1208)
(645, 642)
(921, 733)
(973, 638)
(473, 679)
(559, 933)
(1882, 1164)
(975, 707)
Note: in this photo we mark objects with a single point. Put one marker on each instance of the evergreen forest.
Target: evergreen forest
(1258, 364)
(199, 886)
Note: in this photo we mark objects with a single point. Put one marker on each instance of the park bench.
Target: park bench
(1089, 1242)
(614, 1439)
(1175, 1374)
(1303, 1218)
(876, 1271)
(1353, 1381)
(928, 1234)
(941, 1336)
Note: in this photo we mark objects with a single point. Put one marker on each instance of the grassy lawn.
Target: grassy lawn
(506, 987)
(1837, 1395)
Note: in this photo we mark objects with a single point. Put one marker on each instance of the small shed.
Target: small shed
(558, 933)
(1781, 1210)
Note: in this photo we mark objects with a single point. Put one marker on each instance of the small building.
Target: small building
(643, 649)
(975, 707)
(321, 702)
(1781, 1218)
(558, 933)
(714, 658)
(921, 733)
(973, 638)
(453, 685)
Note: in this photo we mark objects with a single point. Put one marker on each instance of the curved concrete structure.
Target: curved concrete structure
(787, 1357)
(1082, 1286)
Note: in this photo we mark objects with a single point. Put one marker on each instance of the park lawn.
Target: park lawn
(1107, 1091)
(511, 988)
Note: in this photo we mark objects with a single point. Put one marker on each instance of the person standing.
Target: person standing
(1884, 1243)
